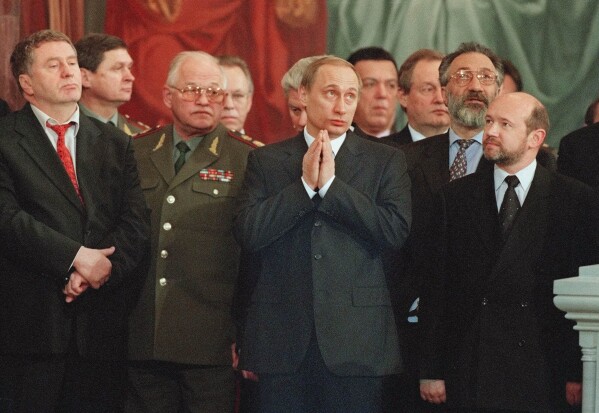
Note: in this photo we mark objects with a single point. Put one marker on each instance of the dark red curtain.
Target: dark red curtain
(270, 35)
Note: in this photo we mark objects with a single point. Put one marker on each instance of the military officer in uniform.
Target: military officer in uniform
(107, 80)
(181, 329)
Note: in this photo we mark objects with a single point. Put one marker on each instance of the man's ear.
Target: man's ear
(86, 78)
(25, 82)
(303, 95)
(402, 97)
(444, 94)
(167, 96)
(536, 138)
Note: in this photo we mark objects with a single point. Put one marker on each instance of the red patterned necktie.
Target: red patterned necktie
(65, 155)
(459, 166)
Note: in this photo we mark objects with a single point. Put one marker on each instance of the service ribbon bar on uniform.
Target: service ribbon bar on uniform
(216, 175)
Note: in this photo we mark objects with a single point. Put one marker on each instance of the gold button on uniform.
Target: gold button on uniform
(215, 191)
(163, 254)
(167, 226)
(170, 199)
(162, 282)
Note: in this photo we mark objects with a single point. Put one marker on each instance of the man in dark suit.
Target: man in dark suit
(579, 155)
(181, 329)
(4, 108)
(492, 339)
(421, 98)
(317, 211)
(470, 78)
(72, 217)
(376, 111)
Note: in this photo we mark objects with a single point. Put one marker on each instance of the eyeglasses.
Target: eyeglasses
(485, 77)
(192, 93)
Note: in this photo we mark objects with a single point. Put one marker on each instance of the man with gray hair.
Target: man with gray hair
(181, 329)
(291, 83)
(238, 101)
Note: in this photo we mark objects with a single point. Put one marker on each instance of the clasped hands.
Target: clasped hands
(92, 268)
(318, 165)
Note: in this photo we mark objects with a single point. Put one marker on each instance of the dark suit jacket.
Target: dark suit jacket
(4, 109)
(320, 263)
(579, 155)
(43, 225)
(490, 328)
(428, 167)
(401, 138)
(184, 311)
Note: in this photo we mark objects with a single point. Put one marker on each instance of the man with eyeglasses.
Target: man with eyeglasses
(469, 79)
(421, 98)
(375, 114)
(240, 91)
(181, 329)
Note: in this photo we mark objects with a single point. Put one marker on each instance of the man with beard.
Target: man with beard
(492, 340)
(470, 78)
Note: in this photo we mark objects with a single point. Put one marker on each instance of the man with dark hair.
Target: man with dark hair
(4, 108)
(592, 114)
(579, 155)
(420, 98)
(74, 228)
(512, 81)
(107, 80)
(375, 115)
(470, 78)
(240, 91)
(493, 341)
(319, 328)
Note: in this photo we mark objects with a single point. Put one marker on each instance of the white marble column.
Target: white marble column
(579, 298)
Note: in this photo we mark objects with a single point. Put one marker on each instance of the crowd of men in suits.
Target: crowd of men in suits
(350, 268)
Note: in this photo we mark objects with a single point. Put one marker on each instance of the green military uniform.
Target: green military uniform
(129, 126)
(184, 311)
(123, 122)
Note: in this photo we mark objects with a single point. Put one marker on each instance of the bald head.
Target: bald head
(515, 127)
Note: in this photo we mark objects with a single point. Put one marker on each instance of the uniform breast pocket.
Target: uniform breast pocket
(216, 203)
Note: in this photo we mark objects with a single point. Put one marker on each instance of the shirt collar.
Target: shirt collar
(453, 137)
(192, 142)
(525, 175)
(416, 136)
(335, 143)
(114, 119)
(43, 118)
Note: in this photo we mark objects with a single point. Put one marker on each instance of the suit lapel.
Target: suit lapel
(348, 158)
(90, 156)
(207, 153)
(162, 154)
(37, 145)
(485, 208)
(434, 163)
(296, 153)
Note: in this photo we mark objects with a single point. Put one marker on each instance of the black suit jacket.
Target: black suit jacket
(490, 328)
(428, 169)
(4, 109)
(320, 264)
(579, 155)
(42, 226)
(398, 139)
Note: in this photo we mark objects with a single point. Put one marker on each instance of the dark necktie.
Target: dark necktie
(65, 155)
(509, 206)
(183, 149)
(460, 165)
